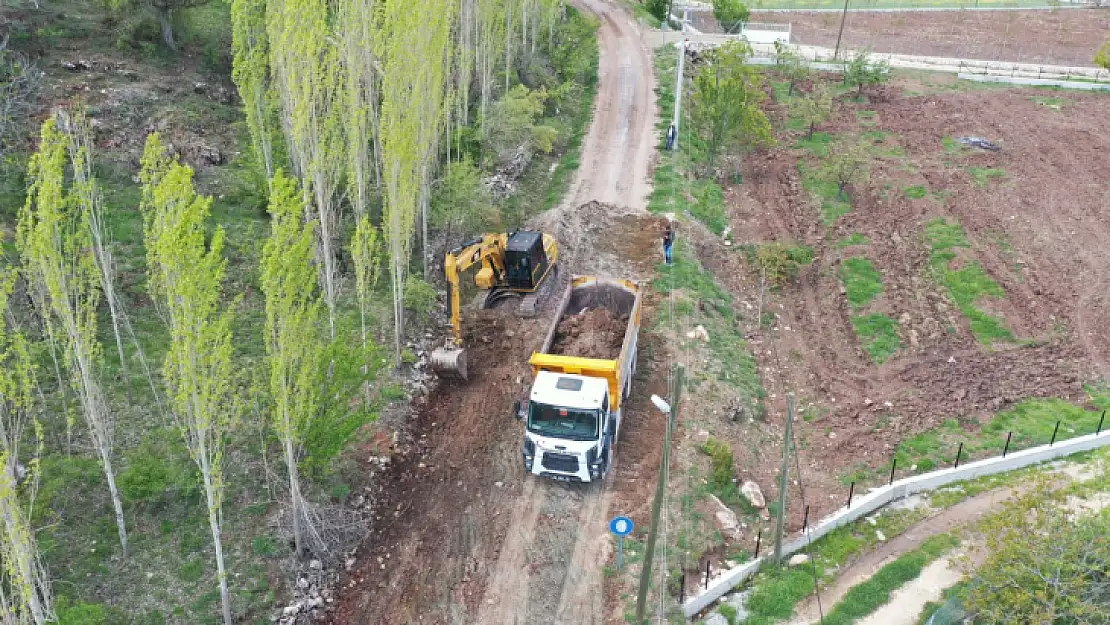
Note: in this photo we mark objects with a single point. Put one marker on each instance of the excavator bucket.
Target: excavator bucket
(451, 361)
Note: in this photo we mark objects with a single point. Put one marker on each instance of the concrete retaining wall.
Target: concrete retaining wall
(880, 497)
(1041, 82)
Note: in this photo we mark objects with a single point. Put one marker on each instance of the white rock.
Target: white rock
(798, 558)
(315, 565)
(871, 520)
(880, 536)
(726, 520)
(754, 495)
(701, 334)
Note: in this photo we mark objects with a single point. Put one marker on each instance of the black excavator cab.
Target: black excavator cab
(525, 260)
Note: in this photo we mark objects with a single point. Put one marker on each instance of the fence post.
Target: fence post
(707, 561)
(851, 491)
(958, 452)
(1054, 431)
(758, 542)
(1007, 447)
(1100, 422)
(805, 520)
(682, 588)
(893, 465)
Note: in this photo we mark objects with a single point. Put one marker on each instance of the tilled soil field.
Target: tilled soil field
(1038, 229)
(1063, 37)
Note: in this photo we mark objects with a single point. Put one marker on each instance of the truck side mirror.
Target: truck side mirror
(518, 412)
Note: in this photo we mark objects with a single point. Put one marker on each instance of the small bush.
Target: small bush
(157, 467)
(420, 297)
(192, 570)
(265, 546)
(781, 262)
(720, 458)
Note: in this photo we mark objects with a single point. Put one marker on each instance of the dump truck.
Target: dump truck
(582, 375)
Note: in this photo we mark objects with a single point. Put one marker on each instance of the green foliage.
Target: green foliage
(341, 413)
(709, 205)
(847, 164)
(789, 61)
(916, 192)
(265, 546)
(726, 103)
(862, 72)
(780, 262)
(730, 14)
(164, 10)
(157, 471)
(1031, 421)
(192, 570)
(83, 613)
(983, 175)
(815, 108)
(1102, 58)
(420, 297)
(729, 612)
(658, 8)
(818, 143)
(865, 598)
(852, 239)
(1044, 564)
(511, 125)
(461, 199)
(967, 285)
(862, 281)
(878, 334)
(833, 205)
(721, 461)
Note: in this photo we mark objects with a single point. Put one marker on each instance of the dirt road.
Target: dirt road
(464, 535)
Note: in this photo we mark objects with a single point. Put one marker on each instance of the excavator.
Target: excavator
(513, 264)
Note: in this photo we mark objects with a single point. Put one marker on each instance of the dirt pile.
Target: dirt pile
(594, 333)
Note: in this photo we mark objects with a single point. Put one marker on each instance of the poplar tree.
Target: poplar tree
(307, 64)
(415, 53)
(63, 276)
(188, 270)
(25, 595)
(88, 199)
(251, 73)
(294, 345)
(364, 252)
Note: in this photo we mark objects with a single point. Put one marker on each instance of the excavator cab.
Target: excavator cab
(511, 265)
(525, 260)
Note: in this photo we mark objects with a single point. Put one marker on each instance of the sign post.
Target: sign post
(621, 526)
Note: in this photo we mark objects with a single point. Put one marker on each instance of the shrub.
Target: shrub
(781, 262)
(420, 297)
(157, 467)
(720, 458)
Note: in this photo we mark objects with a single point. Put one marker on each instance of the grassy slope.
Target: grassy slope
(170, 574)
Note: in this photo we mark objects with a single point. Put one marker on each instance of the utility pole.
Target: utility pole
(783, 476)
(660, 492)
(836, 53)
(678, 91)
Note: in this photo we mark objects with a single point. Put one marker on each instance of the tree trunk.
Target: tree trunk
(23, 556)
(790, 92)
(165, 18)
(117, 502)
(217, 541)
(811, 125)
(294, 495)
(424, 220)
(508, 42)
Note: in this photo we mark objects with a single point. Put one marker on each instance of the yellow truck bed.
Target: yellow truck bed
(584, 292)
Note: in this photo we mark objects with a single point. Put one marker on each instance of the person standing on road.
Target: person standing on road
(668, 242)
(671, 134)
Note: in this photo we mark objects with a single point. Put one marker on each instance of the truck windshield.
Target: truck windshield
(578, 425)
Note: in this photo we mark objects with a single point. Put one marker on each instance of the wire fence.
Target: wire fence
(1061, 37)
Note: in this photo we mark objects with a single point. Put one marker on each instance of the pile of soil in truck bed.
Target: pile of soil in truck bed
(596, 333)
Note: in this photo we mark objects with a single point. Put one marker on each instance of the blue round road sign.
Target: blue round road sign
(621, 526)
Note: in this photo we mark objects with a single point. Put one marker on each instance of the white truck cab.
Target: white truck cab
(570, 429)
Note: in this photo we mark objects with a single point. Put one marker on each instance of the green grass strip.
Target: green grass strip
(865, 598)
(878, 334)
(862, 281)
(968, 284)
